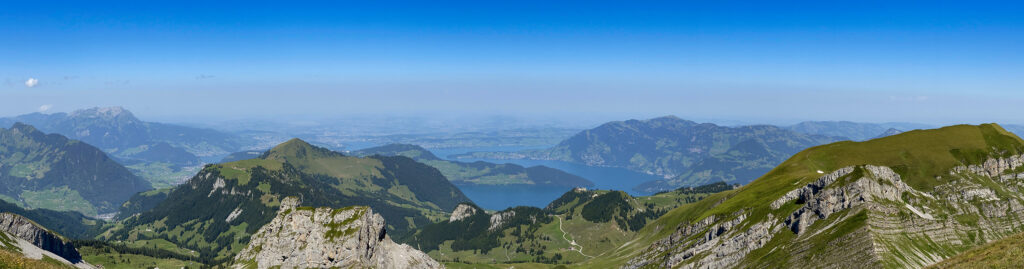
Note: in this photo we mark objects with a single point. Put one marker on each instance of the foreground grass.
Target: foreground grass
(12, 260)
(110, 259)
(1004, 253)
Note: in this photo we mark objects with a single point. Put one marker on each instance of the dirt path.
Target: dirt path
(571, 242)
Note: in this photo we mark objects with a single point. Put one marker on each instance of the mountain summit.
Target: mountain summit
(106, 113)
(240, 197)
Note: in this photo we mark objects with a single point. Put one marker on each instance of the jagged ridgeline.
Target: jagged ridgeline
(577, 226)
(216, 211)
(903, 201)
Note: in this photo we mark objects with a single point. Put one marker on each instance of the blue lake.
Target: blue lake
(501, 197)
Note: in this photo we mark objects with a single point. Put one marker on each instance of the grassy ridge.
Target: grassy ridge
(920, 157)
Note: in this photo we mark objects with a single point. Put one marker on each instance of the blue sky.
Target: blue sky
(759, 61)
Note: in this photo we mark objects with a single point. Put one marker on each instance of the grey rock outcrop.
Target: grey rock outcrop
(819, 203)
(27, 230)
(499, 219)
(811, 188)
(462, 211)
(351, 237)
(882, 218)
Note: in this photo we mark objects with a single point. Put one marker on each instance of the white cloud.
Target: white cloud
(31, 82)
(44, 108)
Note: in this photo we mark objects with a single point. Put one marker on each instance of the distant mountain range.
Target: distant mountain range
(685, 153)
(50, 171)
(156, 151)
(481, 173)
(857, 131)
(217, 210)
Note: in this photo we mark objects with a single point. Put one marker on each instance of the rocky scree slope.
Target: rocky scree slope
(305, 237)
(904, 201)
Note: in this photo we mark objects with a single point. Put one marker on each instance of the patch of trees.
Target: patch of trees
(472, 232)
(154, 252)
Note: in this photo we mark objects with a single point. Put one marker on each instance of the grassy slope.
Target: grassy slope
(1004, 253)
(111, 259)
(12, 260)
(919, 156)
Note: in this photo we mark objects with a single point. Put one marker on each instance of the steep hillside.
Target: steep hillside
(903, 201)
(158, 152)
(217, 210)
(685, 153)
(575, 227)
(40, 170)
(481, 173)
(307, 237)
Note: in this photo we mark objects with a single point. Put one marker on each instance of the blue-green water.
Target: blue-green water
(501, 197)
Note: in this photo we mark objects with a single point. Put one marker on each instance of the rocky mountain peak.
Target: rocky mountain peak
(463, 211)
(351, 237)
(114, 112)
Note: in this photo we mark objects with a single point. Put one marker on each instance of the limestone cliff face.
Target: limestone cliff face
(20, 234)
(461, 212)
(352, 237)
(855, 217)
(25, 229)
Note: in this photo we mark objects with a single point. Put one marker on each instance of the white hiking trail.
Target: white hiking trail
(571, 242)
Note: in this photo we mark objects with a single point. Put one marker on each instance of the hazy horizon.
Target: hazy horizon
(725, 62)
